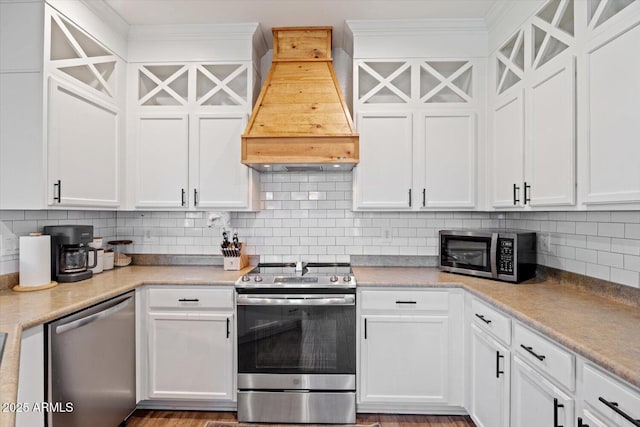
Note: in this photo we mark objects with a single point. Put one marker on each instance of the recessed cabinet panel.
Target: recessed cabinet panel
(490, 374)
(535, 401)
(218, 178)
(404, 359)
(508, 150)
(162, 163)
(613, 126)
(190, 356)
(384, 174)
(550, 171)
(83, 148)
(450, 160)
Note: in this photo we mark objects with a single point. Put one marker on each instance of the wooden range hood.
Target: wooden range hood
(300, 121)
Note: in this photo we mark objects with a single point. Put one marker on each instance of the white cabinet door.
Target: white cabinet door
(190, 356)
(590, 420)
(162, 160)
(535, 401)
(404, 359)
(550, 172)
(218, 179)
(84, 143)
(508, 149)
(490, 373)
(612, 104)
(449, 140)
(383, 178)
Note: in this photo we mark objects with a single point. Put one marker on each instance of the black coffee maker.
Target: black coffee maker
(70, 252)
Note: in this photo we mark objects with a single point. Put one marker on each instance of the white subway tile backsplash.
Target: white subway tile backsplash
(610, 229)
(625, 277)
(598, 271)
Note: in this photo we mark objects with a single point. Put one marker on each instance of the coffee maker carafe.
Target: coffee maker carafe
(70, 252)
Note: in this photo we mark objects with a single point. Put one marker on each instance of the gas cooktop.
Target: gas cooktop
(299, 275)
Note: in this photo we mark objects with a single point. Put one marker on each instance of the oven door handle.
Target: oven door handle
(296, 300)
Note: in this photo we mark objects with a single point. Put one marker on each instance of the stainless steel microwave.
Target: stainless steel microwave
(508, 255)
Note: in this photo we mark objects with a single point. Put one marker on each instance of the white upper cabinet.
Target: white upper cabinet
(610, 102)
(61, 99)
(204, 106)
(419, 113)
(534, 112)
(384, 176)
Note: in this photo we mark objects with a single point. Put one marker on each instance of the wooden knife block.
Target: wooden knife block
(234, 263)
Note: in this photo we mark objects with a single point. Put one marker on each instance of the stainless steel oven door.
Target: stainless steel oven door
(296, 333)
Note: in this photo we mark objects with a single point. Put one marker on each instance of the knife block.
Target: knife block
(235, 263)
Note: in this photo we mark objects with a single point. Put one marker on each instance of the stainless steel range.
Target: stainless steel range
(297, 344)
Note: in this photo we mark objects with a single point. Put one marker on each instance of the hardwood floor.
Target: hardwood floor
(144, 418)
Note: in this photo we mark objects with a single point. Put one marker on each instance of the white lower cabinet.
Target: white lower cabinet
(536, 401)
(31, 379)
(490, 375)
(188, 337)
(410, 351)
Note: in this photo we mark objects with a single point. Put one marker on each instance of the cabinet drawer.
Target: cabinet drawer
(598, 385)
(405, 300)
(545, 355)
(191, 298)
(491, 320)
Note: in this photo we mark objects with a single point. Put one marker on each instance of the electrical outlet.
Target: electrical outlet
(387, 234)
(8, 245)
(544, 242)
(148, 236)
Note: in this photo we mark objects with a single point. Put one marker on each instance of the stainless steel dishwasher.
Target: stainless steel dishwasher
(91, 365)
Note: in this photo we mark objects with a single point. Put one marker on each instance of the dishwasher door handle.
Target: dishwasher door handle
(74, 324)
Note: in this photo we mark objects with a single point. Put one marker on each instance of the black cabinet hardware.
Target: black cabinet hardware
(540, 357)
(481, 317)
(195, 197)
(527, 193)
(424, 197)
(409, 197)
(516, 194)
(498, 357)
(228, 327)
(614, 407)
(556, 406)
(365, 328)
(57, 198)
(182, 198)
(406, 302)
(581, 424)
(188, 300)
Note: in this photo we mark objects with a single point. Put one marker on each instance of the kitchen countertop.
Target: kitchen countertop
(23, 310)
(595, 327)
(599, 329)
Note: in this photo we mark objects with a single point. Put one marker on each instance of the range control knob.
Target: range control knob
(246, 278)
(333, 279)
(346, 278)
(258, 278)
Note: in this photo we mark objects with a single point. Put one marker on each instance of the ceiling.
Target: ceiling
(285, 13)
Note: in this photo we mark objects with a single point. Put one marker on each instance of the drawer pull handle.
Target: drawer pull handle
(228, 327)
(498, 357)
(556, 406)
(365, 328)
(481, 317)
(188, 300)
(581, 424)
(406, 302)
(540, 357)
(614, 407)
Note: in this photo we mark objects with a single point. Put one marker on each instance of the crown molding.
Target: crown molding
(107, 14)
(497, 13)
(415, 26)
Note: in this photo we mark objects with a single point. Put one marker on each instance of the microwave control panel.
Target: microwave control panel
(505, 256)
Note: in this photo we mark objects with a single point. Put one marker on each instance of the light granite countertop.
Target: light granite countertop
(597, 328)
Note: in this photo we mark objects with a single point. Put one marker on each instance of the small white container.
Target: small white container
(97, 243)
(108, 259)
(100, 264)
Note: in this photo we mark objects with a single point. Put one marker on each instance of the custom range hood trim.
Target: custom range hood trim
(301, 120)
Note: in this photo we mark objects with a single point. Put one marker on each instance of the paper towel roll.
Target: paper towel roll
(35, 260)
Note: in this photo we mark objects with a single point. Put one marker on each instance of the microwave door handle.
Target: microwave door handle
(494, 255)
